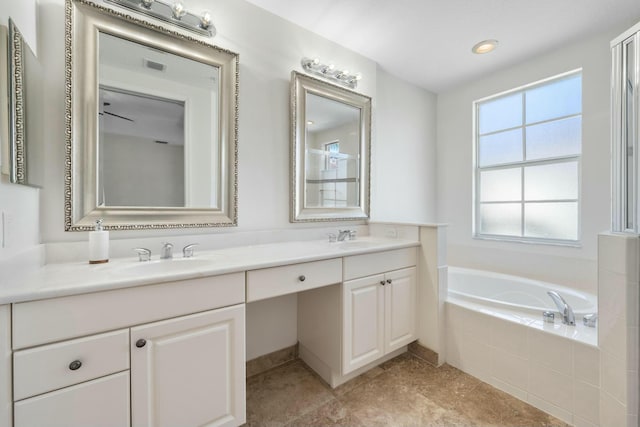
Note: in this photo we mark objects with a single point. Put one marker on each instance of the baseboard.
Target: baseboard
(424, 353)
(269, 361)
(334, 379)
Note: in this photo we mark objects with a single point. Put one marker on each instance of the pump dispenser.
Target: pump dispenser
(98, 244)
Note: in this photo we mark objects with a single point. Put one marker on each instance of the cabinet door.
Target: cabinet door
(99, 403)
(363, 322)
(190, 371)
(400, 308)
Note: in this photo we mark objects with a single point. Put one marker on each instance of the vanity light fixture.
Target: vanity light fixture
(329, 71)
(484, 46)
(173, 13)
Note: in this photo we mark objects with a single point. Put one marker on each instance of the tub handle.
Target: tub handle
(590, 320)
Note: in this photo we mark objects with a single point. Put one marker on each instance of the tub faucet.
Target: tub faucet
(568, 318)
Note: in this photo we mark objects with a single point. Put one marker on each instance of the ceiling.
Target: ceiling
(428, 42)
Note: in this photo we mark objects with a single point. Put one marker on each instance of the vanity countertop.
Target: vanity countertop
(57, 280)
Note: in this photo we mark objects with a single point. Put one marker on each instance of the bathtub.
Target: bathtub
(520, 300)
(515, 293)
(494, 330)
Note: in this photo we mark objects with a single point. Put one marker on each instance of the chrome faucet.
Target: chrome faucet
(144, 254)
(187, 251)
(343, 234)
(167, 251)
(568, 318)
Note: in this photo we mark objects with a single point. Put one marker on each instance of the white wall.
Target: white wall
(403, 172)
(142, 172)
(269, 48)
(19, 204)
(574, 267)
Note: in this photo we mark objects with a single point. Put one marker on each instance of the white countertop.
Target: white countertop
(57, 280)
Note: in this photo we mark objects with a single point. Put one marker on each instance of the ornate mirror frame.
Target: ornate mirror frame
(84, 21)
(302, 84)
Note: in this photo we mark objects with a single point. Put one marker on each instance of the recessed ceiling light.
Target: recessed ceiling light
(484, 46)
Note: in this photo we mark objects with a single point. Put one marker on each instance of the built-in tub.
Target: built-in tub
(494, 330)
(514, 293)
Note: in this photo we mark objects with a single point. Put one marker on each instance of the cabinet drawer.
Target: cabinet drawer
(99, 403)
(380, 262)
(57, 319)
(42, 369)
(271, 282)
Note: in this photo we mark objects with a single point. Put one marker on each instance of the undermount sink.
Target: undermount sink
(163, 266)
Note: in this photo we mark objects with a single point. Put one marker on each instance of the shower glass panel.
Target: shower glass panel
(630, 133)
(625, 115)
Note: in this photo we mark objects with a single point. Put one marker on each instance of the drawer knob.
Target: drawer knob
(389, 280)
(141, 343)
(382, 282)
(302, 278)
(75, 365)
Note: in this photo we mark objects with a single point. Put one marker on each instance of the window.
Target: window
(527, 165)
(333, 151)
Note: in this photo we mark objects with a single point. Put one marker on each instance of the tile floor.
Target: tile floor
(405, 391)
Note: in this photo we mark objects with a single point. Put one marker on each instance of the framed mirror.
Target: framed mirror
(151, 125)
(21, 111)
(330, 151)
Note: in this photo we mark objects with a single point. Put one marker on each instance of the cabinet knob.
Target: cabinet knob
(382, 282)
(141, 343)
(75, 365)
(302, 278)
(389, 280)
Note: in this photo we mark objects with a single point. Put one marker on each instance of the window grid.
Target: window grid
(522, 164)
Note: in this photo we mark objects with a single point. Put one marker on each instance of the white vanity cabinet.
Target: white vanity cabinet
(103, 402)
(359, 323)
(379, 316)
(189, 371)
(158, 355)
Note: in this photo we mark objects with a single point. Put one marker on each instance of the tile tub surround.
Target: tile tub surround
(558, 375)
(405, 391)
(618, 281)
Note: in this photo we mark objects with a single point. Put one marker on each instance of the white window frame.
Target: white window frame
(522, 164)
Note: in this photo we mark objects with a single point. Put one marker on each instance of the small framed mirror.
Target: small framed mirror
(330, 151)
(151, 125)
(21, 110)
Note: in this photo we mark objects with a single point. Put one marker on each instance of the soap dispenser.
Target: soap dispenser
(98, 244)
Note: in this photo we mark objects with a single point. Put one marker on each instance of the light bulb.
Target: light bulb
(205, 20)
(485, 46)
(178, 10)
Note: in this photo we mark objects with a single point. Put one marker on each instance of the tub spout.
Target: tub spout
(568, 318)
